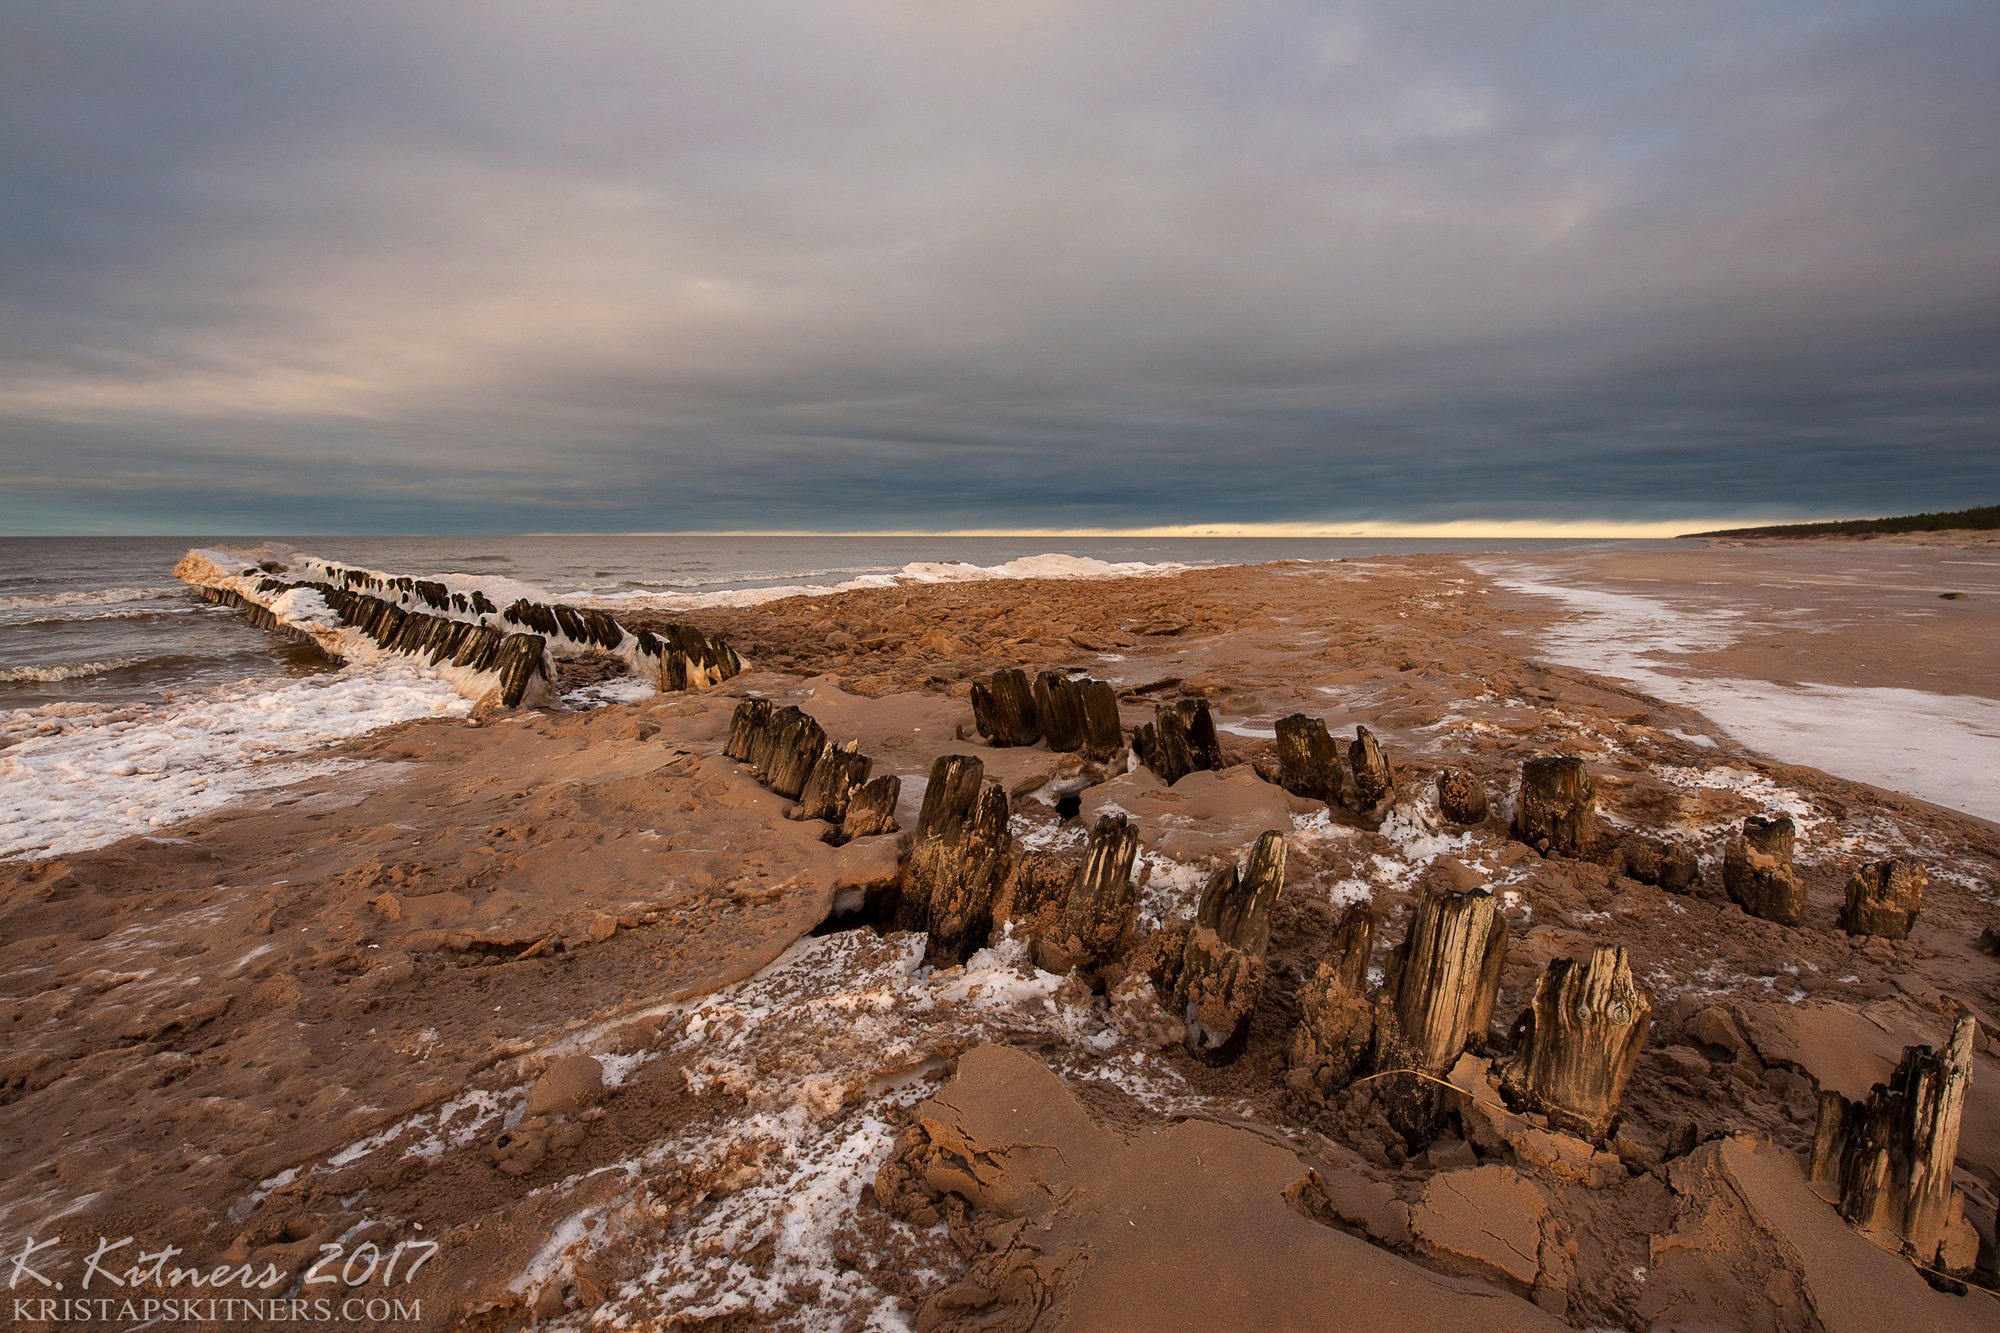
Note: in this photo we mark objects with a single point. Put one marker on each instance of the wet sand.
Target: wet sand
(353, 1013)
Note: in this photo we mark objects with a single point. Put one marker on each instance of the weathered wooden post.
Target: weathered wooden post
(1060, 706)
(1883, 898)
(764, 737)
(1578, 1041)
(1236, 906)
(1890, 1158)
(1103, 733)
(796, 744)
(1444, 977)
(1757, 870)
(1101, 903)
(1374, 782)
(1222, 967)
(871, 810)
(1556, 811)
(1308, 759)
(1336, 1021)
(1669, 865)
(830, 788)
(521, 662)
(1179, 740)
(1461, 798)
(1004, 709)
(958, 860)
(1079, 715)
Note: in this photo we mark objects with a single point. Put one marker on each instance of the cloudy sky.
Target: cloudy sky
(924, 264)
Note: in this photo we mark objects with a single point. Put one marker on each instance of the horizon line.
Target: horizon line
(1466, 529)
(1458, 529)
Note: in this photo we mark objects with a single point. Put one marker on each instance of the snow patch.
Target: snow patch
(1943, 748)
(74, 776)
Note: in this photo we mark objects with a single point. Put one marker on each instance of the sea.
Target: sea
(128, 704)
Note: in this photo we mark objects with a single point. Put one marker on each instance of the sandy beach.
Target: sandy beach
(565, 1010)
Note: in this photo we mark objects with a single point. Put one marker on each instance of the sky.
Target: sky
(1052, 265)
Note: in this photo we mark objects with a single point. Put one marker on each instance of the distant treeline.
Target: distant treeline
(1988, 517)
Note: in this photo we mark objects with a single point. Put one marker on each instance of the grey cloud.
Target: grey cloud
(888, 264)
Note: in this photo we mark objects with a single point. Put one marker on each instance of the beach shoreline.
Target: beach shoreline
(363, 990)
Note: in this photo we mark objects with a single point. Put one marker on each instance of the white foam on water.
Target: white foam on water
(88, 597)
(62, 617)
(75, 776)
(65, 670)
(1049, 565)
(1943, 748)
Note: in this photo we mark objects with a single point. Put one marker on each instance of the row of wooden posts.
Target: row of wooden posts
(1555, 810)
(789, 752)
(680, 656)
(1574, 1047)
(423, 618)
(516, 662)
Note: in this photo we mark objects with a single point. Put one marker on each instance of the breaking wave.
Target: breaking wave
(87, 597)
(1049, 565)
(65, 671)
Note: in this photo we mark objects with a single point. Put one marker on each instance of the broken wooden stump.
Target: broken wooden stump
(1218, 990)
(1079, 715)
(1237, 906)
(1032, 897)
(871, 810)
(1578, 1041)
(1667, 865)
(831, 786)
(689, 659)
(1441, 984)
(1004, 709)
(1444, 977)
(1178, 741)
(1757, 870)
(959, 858)
(520, 662)
(1222, 966)
(1309, 759)
(1374, 783)
(1351, 947)
(1556, 811)
(1101, 902)
(1336, 1020)
(1889, 1160)
(1883, 898)
(746, 724)
(787, 750)
(793, 744)
(1461, 797)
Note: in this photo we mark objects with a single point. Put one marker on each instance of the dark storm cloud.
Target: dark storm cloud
(509, 266)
